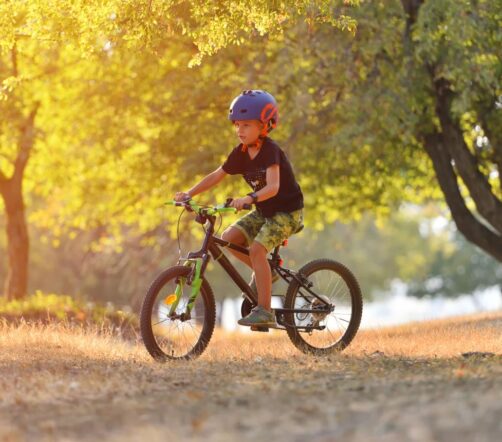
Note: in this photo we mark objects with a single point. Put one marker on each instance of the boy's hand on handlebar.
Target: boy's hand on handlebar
(181, 196)
(239, 203)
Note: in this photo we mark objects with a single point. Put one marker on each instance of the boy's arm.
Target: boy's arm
(207, 182)
(272, 187)
(273, 180)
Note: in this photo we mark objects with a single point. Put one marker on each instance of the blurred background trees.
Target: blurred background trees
(107, 110)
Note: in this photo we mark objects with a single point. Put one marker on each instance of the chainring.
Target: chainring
(246, 307)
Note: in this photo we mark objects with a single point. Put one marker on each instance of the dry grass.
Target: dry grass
(441, 338)
(69, 368)
(56, 361)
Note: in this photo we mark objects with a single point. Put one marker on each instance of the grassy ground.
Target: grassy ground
(401, 383)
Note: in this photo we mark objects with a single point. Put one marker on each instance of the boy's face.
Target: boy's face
(248, 131)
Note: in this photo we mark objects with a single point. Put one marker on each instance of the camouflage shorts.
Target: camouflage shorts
(270, 232)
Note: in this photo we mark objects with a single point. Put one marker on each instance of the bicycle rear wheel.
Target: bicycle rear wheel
(337, 286)
(170, 335)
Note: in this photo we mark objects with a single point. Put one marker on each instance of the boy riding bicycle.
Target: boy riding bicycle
(276, 194)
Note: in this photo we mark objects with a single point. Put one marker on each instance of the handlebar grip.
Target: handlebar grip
(247, 206)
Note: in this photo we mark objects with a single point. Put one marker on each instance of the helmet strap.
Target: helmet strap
(258, 144)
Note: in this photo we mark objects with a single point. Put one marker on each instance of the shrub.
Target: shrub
(42, 307)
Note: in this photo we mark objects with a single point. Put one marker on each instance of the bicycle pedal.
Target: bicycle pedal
(258, 328)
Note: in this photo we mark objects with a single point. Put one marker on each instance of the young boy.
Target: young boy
(276, 194)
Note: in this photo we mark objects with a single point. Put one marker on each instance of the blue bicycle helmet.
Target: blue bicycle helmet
(255, 105)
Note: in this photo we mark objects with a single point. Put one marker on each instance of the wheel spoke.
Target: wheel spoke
(160, 322)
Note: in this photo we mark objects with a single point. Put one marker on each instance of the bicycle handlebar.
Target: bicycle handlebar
(192, 205)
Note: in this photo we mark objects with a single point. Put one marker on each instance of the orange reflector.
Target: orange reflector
(170, 299)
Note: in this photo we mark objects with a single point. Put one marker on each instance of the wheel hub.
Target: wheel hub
(317, 304)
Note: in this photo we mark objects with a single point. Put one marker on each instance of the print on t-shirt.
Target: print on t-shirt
(257, 179)
(289, 196)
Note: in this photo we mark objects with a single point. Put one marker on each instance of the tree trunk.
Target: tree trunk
(452, 160)
(472, 228)
(487, 203)
(17, 240)
(11, 190)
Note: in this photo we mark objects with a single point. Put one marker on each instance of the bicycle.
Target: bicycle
(178, 312)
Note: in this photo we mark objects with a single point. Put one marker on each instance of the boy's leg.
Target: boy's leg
(242, 232)
(271, 234)
(261, 317)
(258, 254)
(234, 235)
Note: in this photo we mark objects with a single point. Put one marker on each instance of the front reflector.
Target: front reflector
(170, 299)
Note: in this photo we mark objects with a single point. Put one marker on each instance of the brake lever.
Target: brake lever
(245, 206)
(186, 205)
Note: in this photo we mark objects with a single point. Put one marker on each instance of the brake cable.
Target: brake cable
(221, 223)
(178, 235)
(203, 227)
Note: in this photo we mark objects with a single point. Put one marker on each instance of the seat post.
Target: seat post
(274, 256)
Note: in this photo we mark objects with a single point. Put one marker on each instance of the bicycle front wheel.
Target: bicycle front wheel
(324, 332)
(169, 333)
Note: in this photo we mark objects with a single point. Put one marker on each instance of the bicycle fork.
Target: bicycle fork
(194, 280)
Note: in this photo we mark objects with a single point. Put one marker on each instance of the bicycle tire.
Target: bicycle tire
(149, 301)
(296, 336)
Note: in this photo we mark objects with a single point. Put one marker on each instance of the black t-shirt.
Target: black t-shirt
(288, 198)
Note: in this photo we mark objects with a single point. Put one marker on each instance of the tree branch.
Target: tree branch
(494, 137)
(13, 57)
(3, 182)
(410, 8)
(469, 226)
(25, 144)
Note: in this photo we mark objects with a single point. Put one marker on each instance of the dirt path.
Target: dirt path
(280, 397)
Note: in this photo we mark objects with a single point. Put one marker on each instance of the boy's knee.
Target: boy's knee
(257, 250)
(226, 235)
(233, 235)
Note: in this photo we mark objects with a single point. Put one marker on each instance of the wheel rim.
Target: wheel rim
(177, 337)
(333, 289)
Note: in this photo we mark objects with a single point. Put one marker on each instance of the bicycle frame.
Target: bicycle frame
(211, 247)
